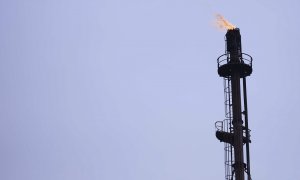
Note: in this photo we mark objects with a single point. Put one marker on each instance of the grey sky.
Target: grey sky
(129, 90)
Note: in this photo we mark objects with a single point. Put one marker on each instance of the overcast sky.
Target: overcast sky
(129, 90)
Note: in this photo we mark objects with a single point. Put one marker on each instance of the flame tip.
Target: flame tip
(222, 23)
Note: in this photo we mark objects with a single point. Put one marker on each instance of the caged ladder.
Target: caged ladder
(225, 127)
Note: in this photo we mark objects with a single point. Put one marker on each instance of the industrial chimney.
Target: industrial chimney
(234, 66)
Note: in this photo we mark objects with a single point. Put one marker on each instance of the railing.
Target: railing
(243, 58)
(245, 133)
(219, 125)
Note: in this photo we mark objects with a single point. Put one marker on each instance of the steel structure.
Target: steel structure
(234, 66)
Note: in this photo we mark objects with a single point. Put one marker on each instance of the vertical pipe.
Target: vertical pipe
(247, 128)
(230, 123)
(233, 38)
(237, 126)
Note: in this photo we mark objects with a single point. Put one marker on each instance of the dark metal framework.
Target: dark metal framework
(234, 66)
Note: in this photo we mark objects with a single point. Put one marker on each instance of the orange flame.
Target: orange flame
(222, 23)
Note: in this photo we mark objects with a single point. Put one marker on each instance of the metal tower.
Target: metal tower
(234, 66)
